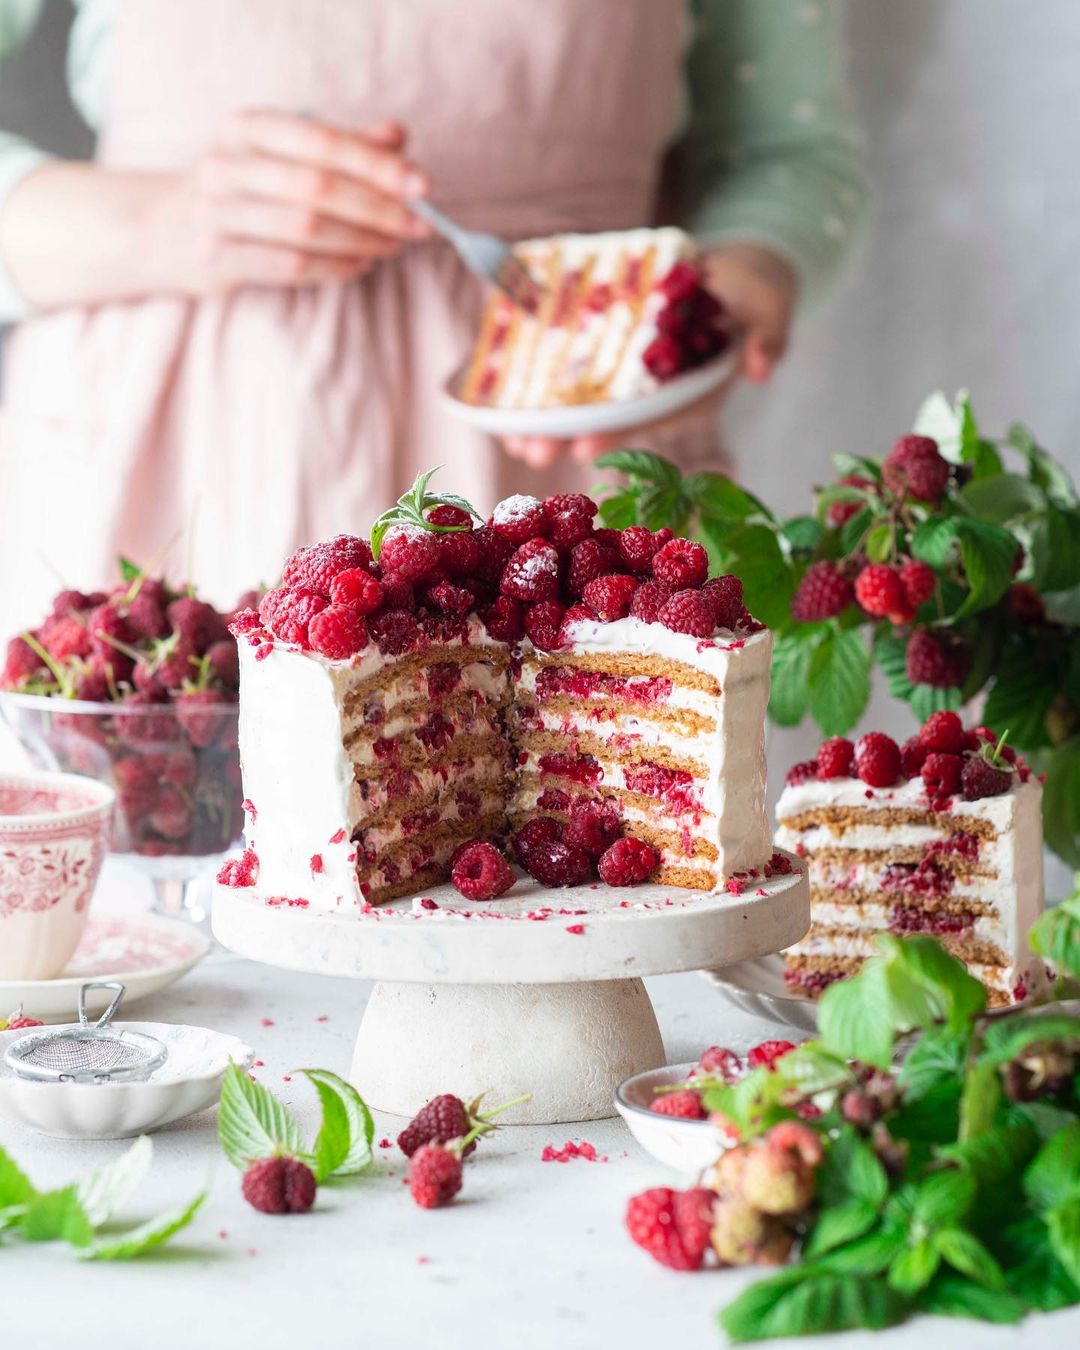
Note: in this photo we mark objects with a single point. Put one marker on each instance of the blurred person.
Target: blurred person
(230, 323)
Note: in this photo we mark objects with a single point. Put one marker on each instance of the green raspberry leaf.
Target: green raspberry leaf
(641, 464)
(938, 1056)
(810, 1300)
(839, 680)
(53, 1216)
(951, 1295)
(714, 494)
(996, 1156)
(1003, 497)
(344, 1144)
(914, 1268)
(1055, 1172)
(965, 1253)
(855, 1016)
(252, 1123)
(15, 1186)
(943, 1198)
(1061, 824)
(1043, 470)
(839, 1224)
(1011, 1036)
(802, 534)
(103, 1192)
(619, 510)
(790, 676)
(1063, 1224)
(856, 464)
(146, 1236)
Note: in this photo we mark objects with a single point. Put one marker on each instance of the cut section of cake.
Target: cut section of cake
(943, 837)
(619, 314)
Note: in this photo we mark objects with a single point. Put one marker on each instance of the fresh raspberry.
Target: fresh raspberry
(199, 712)
(593, 827)
(903, 615)
(682, 282)
(394, 631)
(313, 568)
(64, 636)
(279, 1186)
(689, 612)
(720, 1062)
(449, 598)
(288, 613)
(877, 759)
(519, 518)
(223, 662)
(176, 667)
(503, 619)
(806, 771)
(649, 599)
(437, 1122)
(913, 467)
(681, 563)
(177, 767)
(725, 593)
(93, 687)
(338, 632)
(878, 589)
(482, 873)
(570, 517)
(107, 625)
(839, 513)
(146, 617)
(434, 1176)
(628, 862)
(543, 623)
(941, 662)
(557, 864)
(590, 559)
(652, 1221)
(197, 622)
(532, 572)
(572, 616)
(918, 580)
(448, 515)
(637, 547)
(835, 758)
(913, 756)
(398, 594)
(823, 593)
(663, 357)
(495, 552)
(70, 602)
(19, 1021)
(684, 1105)
(538, 830)
(20, 663)
(944, 731)
(459, 553)
(1026, 604)
(980, 778)
(358, 589)
(767, 1053)
(941, 774)
(609, 597)
(409, 553)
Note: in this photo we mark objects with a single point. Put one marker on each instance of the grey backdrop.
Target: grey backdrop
(970, 275)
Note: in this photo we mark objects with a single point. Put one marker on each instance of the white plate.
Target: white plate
(188, 1081)
(757, 987)
(593, 419)
(686, 1145)
(146, 953)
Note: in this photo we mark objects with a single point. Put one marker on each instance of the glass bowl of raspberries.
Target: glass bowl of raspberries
(138, 687)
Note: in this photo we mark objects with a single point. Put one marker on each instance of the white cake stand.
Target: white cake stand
(537, 993)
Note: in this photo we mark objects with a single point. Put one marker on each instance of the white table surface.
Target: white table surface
(530, 1255)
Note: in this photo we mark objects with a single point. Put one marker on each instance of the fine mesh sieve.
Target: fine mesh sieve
(87, 1053)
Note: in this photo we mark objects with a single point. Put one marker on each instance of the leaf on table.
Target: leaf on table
(252, 1123)
(146, 1236)
(343, 1146)
(52, 1216)
(15, 1185)
(810, 1300)
(103, 1192)
(951, 1295)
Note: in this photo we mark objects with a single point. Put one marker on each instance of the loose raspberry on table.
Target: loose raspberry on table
(357, 588)
(313, 568)
(538, 830)
(649, 599)
(532, 572)
(941, 774)
(557, 864)
(437, 1122)
(806, 771)
(823, 593)
(720, 1062)
(482, 873)
(451, 516)
(767, 1053)
(726, 596)
(980, 778)
(939, 661)
(877, 759)
(835, 758)
(409, 553)
(609, 597)
(653, 1222)
(638, 546)
(288, 613)
(918, 580)
(338, 632)
(944, 731)
(685, 1105)
(915, 468)
(628, 862)
(434, 1176)
(593, 826)
(689, 612)
(519, 518)
(394, 631)
(279, 1186)
(878, 589)
(504, 619)
(913, 756)
(543, 624)
(460, 554)
(681, 563)
(590, 559)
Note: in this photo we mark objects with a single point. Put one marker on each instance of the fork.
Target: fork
(486, 256)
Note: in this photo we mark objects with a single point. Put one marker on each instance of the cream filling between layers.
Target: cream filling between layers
(682, 697)
(878, 918)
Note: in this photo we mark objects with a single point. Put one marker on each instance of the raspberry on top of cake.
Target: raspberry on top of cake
(620, 313)
(455, 680)
(942, 835)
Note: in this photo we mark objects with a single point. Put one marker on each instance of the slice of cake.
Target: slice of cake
(619, 314)
(942, 837)
(469, 682)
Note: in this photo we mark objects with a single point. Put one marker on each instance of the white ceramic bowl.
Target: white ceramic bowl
(189, 1081)
(689, 1146)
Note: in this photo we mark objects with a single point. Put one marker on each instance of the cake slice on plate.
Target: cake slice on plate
(942, 837)
(620, 313)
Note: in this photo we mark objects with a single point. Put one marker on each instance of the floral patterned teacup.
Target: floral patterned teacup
(54, 830)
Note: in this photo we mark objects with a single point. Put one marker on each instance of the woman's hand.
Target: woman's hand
(758, 289)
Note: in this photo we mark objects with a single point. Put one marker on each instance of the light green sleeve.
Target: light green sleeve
(773, 149)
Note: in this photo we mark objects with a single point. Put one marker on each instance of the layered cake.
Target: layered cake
(619, 313)
(942, 836)
(531, 680)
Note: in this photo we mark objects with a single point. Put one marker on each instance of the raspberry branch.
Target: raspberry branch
(411, 507)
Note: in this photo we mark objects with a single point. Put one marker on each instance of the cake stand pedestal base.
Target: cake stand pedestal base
(566, 1044)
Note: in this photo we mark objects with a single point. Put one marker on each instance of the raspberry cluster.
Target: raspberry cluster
(589, 844)
(693, 326)
(951, 761)
(162, 667)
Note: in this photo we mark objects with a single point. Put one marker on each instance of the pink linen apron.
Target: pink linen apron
(256, 422)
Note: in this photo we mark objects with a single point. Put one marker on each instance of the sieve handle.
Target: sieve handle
(106, 1016)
